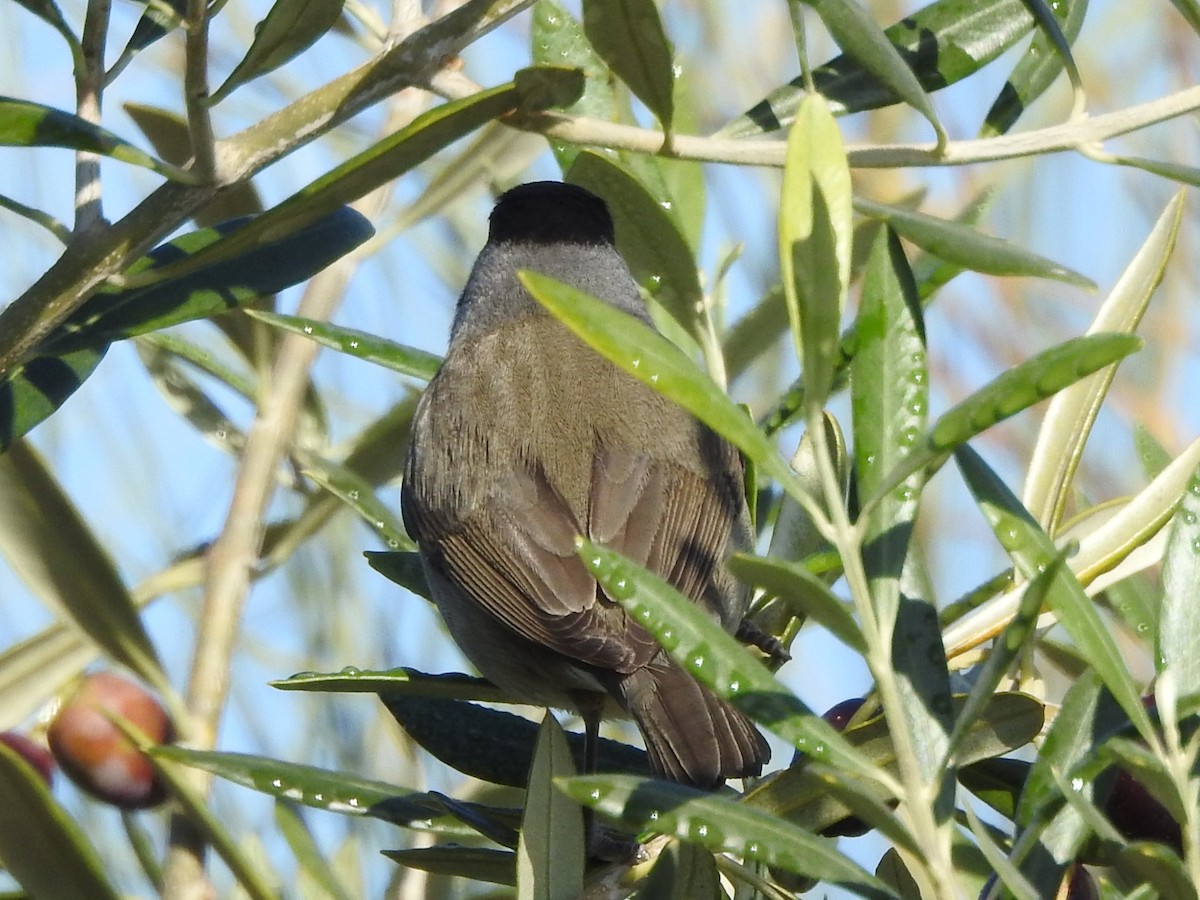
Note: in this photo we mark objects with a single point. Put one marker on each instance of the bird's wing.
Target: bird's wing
(514, 551)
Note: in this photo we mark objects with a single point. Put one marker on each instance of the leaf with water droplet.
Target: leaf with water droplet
(1179, 619)
(389, 354)
(715, 822)
(1065, 596)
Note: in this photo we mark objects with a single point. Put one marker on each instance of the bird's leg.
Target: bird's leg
(749, 633)
(601, 844)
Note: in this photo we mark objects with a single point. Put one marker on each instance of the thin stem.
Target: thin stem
(195, 89)
(796, 10)
(235, 553)
(89, 87)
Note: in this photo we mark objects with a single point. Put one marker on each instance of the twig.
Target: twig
(195, 90)
(234, 554)
(89, 85)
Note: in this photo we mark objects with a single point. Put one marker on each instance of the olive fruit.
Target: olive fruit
(93, 751)
(32, 752)
(839, 716)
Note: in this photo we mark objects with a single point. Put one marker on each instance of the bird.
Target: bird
(526, 438)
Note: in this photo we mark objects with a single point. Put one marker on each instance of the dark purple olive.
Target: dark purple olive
(1138, 816)
(94, 753)
(32, 752)
(839, 716)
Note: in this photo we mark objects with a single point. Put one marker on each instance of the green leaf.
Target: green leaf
(51, 548)
(1156, 866)
(1031, 549)
(558, 39)
(403, 568)
(720, 825)
(1005, 650)
(1009, 393)
(1028, 383)
(794, 583)
(40, 845)
(38, 217)
(809, 799)
(551, 853)
(397, 357)
(32, 391)
(207, 290)
(858, 34)
(361, 174)
(1037, 69)
(35, 669)
(647, 237)
(160, 18)
(998, 782)
(682, 872)
(290, 28)
(654, 360)
(339, 792)
(358, 494)
(473, 863)
(353, 680)
(188, 398)
(48, 12)
(25, 124)
(890, 398)
(958, 243)
(941, 43)
(628, 35)
(488, 744)
(701, 646)
(1073, 411)
(1179, 621)
(815, 227)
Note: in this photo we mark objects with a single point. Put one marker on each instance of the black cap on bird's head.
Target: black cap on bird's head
(545, 212)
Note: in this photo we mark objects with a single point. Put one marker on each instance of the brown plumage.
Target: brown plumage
(526, 438)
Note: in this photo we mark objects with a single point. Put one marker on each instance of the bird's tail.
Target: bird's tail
(692, 736)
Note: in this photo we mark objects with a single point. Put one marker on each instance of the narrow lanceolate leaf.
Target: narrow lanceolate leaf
(357, 493)
(48, 12)
(720, 825)
(859, 35)
(380, 163)
(1005, 650)
(647, 236)
(1037, 69)
(629, 36)
(339, 792)
(890, 397)
(40, 845)
(52, 549)
(114, 313)
(290, 28)
(35, 669)
(1073, 411)
(551, 852)
(699, 644)
(1011, 392)
(652, 359)
(800, 588)
(558, 39)
(1179, 621)
(397, 357)
(32, 391)
(1031, 549)
(478, 864)
(1125, 543)
(815, 228)
(159, 18)
(942, 43)
(958, 243)
(25, 124)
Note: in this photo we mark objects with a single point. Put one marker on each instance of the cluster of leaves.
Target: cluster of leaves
(921, 758)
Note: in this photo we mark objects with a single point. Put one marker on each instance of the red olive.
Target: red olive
(95, 754)
(32, 752)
